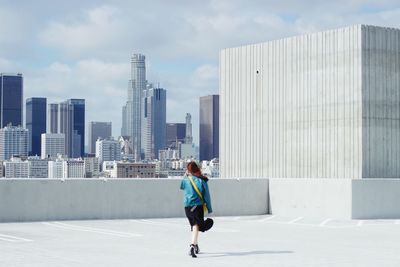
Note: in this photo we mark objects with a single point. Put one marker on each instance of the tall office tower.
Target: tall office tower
(98, 130)
(35, 122)
(11, 94)
(188, 137)
(13, 142)
(209, 127)
(52, 118)
(108, 150)
(176, 132)
(78, 134)
(154, 122)
(124, 130)
(52, 145)
(133, 110)
(326, 105)
(68, 118)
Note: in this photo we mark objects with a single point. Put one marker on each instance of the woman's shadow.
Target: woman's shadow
(243, 253)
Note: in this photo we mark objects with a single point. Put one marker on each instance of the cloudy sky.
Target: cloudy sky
(82, 49)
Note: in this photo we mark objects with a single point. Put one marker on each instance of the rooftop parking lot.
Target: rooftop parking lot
(234, 241)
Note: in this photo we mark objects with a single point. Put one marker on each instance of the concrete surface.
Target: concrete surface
(234, 241)
(336, 198)
(318, 105)
(82, 199)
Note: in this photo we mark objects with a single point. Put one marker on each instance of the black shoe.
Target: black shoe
(192, 251)
(196, 249)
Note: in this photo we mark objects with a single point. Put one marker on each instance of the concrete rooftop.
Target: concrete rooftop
(234, 241)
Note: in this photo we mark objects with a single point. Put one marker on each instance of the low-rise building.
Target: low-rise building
(126, 169)
(38, 168)
(16, 167)
(92, 167)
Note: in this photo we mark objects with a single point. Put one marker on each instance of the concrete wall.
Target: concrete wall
(320, 198)
(320, 105)
(77, 199)
(336, 198)
(381, 102)
(376, 199)
(291, 108)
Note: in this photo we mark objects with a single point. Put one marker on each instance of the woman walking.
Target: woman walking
(197, 201)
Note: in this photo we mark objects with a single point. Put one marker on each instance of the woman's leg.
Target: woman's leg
(195, 234)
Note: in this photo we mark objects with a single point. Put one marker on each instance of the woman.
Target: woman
(196, 199)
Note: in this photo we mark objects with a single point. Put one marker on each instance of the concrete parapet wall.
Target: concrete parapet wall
(79, 199)
(376, 199)
(336, 198)
(329, 198)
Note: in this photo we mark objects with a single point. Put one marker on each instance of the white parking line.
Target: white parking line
(267, 219)
(11, 238)
(295, 220)
(90, 229)
(325, 222)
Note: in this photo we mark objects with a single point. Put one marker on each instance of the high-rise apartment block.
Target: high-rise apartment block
(98, 130)
(13, 142)
(209, 127)
(53, 144)
(36, 122)
(321, 105)
(154, 122)
(11, 94)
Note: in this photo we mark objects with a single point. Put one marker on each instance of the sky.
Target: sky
(82, 49)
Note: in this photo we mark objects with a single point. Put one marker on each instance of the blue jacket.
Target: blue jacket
(190, 197)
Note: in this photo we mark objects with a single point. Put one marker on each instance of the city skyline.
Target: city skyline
(60, 62)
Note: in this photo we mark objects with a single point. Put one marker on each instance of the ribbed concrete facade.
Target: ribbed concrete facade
(319, 105)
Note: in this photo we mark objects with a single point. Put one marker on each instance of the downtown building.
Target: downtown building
(321, 105)
(154, 122)
(68, 118)
(108, 150)
(209, 127)
(13, 142)
(176, 133)
(11, 104)
(132, 111)
(98, 130)
(36, 122)
(53, 145)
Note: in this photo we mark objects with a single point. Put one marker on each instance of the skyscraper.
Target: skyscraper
(209, 127)
(108, 150)
(188, 137)
(78, 146)
(175, 132)
(13, 142)
(97, 130)
(68, 118)
(35, 122)
(133, 109)
(52, 118)
(154, 121)
(11, 94)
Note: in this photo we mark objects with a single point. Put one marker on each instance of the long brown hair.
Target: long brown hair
(194, 169)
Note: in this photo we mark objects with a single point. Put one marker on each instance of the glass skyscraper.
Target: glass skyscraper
(132, 111)
(209, 127)
(154, 121)
(35, 122)
(11, 93)
(68, 117)
(175, 132)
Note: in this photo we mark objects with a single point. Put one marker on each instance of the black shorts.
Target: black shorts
(195, 216)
